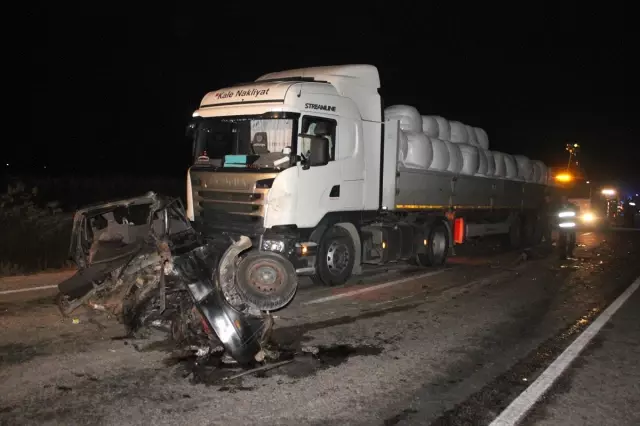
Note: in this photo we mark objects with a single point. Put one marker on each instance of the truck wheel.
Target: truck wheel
(266, 280)
(538, 232)
(336, 256)
(529, 230)
(437, 248)
(513, 239)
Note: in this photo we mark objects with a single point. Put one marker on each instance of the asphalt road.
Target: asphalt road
(403, 346)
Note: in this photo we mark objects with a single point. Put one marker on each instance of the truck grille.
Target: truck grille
(230, 202)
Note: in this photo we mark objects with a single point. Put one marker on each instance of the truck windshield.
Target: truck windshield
(247, 141)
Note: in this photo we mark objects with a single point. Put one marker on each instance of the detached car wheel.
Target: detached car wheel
(266, 280)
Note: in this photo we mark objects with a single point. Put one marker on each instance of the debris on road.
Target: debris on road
(311, 349)
(258, 369)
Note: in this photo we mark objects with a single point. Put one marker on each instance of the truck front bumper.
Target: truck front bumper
(301, 254)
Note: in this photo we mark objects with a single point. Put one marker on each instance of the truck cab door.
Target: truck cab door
(319, 186)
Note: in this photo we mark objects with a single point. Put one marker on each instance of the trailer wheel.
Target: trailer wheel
(335, 259)
(435, 252)
(266, 280)
(529, 229)
(513, 239)
(539, 228)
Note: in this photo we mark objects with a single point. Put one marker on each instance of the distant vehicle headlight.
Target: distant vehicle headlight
(566, 214)
(568, 225)
(588, 217)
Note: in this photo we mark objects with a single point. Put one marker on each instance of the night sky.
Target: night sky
(120, 86)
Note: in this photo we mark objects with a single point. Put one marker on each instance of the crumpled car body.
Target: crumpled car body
(140, 260)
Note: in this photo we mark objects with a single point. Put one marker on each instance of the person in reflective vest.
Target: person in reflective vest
(629, 211)
(566, 221)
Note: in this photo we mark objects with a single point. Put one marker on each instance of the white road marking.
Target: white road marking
(374, 287)
(22, 290)
(398, 300)
(516, 411)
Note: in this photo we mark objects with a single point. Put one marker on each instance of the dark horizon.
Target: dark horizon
(125, 85)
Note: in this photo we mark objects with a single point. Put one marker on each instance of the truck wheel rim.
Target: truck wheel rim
(337, 257)
(265, 276)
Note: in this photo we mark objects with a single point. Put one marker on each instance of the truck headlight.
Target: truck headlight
(568, 225)
(273, 245)
(588, 217)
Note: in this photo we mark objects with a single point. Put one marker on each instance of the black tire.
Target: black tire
(529, 229)
(540, 228)
(266, 280)
(513, 240)
(335, 259)
(437, 249)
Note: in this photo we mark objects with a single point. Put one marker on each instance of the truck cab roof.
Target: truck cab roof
(357, 82)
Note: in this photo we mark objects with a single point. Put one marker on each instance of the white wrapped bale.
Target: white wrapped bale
(544, 176)
(500, 166)
(430, 126)
(458, 132)
(536, 170)
(483, 163)
(440, 160)
(471, 135)
(525, 169)
(482, 137)
(491, 164)
(444, 128)
(419, 151)
(402, 147)
(455, 157)
(511, 167)
(469, 159)
(408, 116)
(539, 172)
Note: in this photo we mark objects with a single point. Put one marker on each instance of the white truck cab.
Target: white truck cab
(303, 163)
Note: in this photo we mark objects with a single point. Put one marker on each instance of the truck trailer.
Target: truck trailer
(324, 180)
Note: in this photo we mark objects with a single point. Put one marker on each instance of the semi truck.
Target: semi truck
(325, 181)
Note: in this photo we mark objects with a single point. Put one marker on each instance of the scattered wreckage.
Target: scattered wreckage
(141, 261)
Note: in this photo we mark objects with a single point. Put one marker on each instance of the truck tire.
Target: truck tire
(437, 249)
(539, 230)
(513, 240)
(529, 230)
(335, 259)
(266, 280)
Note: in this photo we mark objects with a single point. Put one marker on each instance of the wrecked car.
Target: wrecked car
(141, 261)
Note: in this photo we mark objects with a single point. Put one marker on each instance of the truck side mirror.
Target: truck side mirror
(319, 151)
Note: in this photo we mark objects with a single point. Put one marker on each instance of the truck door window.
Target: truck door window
(320, 126)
